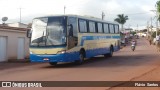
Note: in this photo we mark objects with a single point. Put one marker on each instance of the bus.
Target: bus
(72, 38)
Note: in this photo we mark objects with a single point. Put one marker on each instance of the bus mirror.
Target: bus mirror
(29, 33)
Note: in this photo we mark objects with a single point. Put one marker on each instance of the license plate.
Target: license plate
(46, 59)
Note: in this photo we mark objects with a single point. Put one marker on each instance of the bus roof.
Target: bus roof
(82, 17)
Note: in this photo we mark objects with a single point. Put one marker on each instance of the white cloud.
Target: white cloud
(112, 5)
(36, 8)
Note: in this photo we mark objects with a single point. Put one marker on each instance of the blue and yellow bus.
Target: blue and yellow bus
(72, 38)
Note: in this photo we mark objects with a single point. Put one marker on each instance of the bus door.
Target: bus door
(72, 32)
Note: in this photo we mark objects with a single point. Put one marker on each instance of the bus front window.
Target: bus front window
(48, 31)
(56, 34)
(39, 32)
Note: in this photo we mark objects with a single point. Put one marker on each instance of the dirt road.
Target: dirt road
(125, 65)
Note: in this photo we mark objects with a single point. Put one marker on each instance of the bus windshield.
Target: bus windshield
(48, 31)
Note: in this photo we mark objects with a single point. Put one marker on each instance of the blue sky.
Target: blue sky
(138, 11)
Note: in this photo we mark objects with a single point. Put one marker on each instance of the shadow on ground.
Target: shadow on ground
(116, 61)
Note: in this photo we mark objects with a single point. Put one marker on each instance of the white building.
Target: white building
(20, 25)
(14, 45)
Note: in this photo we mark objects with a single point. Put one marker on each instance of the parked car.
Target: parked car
(144, 35)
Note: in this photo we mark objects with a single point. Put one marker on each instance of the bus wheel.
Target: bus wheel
(81, 58)
(110, 54)
(53, 63)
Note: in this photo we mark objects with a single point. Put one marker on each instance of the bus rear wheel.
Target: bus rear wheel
(110, 54)
(53, 63)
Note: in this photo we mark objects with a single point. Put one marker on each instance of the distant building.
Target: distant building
(20, 25)
(14, 45)
(153, 29)
(127, 30)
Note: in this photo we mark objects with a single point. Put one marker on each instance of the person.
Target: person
(158, 43)
(133, 42)
(157, 38)
(133, 45)
(126, 41)
(150, 41)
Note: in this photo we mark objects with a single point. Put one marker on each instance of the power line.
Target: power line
(130, 13)
(138, 13)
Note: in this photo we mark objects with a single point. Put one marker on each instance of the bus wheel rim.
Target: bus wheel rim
(81, 57)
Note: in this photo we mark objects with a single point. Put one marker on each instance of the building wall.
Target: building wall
(12, 42)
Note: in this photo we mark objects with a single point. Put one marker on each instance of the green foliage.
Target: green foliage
(121, 19)
(144, 30)
(154, 34)
(133, 32)
(158, 8)
(158, 5)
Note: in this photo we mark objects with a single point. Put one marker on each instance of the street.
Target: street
(125, 65)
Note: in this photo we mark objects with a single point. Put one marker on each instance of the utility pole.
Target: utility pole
(156, 24)
(64, 9)
(137, 29)
(129, 29)
(20, 14)
(157, 15)
(103, 15)
(147, 29)
(151, 27)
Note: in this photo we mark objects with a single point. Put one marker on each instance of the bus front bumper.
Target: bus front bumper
(55, 57)
(48, 58)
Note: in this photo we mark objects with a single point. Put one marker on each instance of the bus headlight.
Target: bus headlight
(61, 52)
(31, 52)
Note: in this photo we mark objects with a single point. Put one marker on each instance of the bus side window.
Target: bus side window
(72, 32)
(111, 28)
(106, 29)
(72, 22)
(116, 29)
(92, 27)
(100, 29)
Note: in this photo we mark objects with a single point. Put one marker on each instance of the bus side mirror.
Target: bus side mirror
(29, 33)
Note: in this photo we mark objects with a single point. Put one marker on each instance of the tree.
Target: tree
(154, 34)
(121, 19)
(158, 9)
(144, 30)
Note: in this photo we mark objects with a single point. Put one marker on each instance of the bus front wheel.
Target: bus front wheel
(81, 58)
(53, 63)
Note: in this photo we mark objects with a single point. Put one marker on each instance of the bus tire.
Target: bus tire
(110, 54)
(53, 63)
(81, 58)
